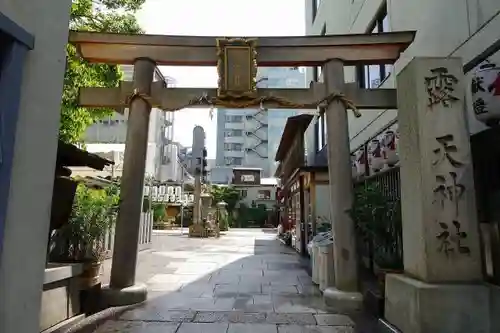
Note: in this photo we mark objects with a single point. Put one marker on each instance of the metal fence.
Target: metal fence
(145, 235)
(388, 181)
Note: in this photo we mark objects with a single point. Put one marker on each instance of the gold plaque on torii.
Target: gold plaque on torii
(237, 68)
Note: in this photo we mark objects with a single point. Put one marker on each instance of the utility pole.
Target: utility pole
(182, 199)
(198, 159)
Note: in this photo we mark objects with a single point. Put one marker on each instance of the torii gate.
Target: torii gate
(237, 60)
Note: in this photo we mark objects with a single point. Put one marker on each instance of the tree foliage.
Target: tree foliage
(228, 194)
(116, 16)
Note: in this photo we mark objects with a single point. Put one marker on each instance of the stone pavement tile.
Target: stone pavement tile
(262, 299)
(247, 317)
(197, 268)
(252, 328)
(290, 307)
(249, 274)
(251, 265)
(227, 289)
(137, 327)
(314, 329)
(224, 304)
(172, 287)
(163, 278)
(279, 289)
(225, 279)
(279, 266)
(333, 320)
(284, 279)
(291, 318)
(202, 328)
(290, 272)
(211, 317)
(152, 313)
(229, 316)
(196, 290)
(241, 303)
(183, 303)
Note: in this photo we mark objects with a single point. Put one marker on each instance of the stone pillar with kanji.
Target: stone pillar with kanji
(441, 289)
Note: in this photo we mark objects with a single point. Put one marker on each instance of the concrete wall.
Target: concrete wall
(24, 248)
(445, 28)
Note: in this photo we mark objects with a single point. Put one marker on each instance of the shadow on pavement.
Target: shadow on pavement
(245, 281)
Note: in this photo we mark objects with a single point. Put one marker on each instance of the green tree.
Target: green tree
(228, 194)
(116, 16)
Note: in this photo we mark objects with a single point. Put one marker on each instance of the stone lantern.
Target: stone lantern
(221, 211)
(206, 203)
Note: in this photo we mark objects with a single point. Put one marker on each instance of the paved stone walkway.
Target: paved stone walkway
(245, 281)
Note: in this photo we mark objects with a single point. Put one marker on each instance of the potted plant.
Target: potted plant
(82, 239)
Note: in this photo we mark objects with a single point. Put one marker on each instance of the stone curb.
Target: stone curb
(91, 323)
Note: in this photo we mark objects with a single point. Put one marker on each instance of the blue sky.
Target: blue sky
(216, 18)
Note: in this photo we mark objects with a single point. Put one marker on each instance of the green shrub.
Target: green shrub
(158, 211)
(94, 213)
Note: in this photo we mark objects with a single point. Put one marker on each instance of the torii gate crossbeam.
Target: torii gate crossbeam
(382, 48)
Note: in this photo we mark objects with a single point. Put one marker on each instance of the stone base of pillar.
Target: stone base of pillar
(342, 301)
(414, 306)
(126, 296)
(198, 231)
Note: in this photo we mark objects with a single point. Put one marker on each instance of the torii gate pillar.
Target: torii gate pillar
(122, 289)
(344, 297)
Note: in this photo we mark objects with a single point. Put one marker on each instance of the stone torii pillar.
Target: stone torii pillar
(344, 297)
(122, 289)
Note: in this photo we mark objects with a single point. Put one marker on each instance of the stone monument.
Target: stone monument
(441, 289)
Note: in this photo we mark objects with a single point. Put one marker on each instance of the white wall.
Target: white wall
(252, 195)
(323, 202)
(25, 244)
(445, 28)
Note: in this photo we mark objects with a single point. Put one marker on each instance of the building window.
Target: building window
(234, 132)
(234, 119)
(264, 194)
(321, 135)
(233, 160)
(233, 147)
(372, 76)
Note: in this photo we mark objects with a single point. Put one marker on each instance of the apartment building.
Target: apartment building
(446, 28)
(161, 160)
(250, 137)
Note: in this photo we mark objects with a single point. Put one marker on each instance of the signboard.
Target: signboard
(246, 176)
(237, 67)
(169, 194)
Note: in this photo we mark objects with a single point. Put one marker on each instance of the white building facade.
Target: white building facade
(446, 28)
(250, 137)
(161, 161)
